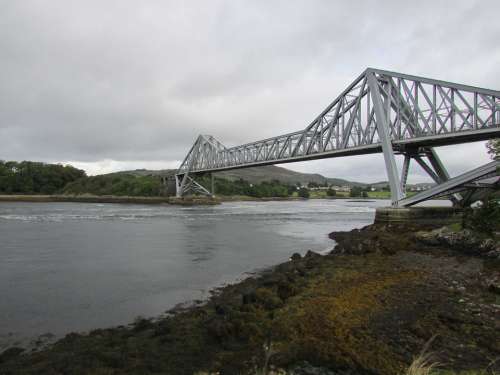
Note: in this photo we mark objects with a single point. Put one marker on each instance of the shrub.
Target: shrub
(485, 219)
(356, 191)
(304, 192)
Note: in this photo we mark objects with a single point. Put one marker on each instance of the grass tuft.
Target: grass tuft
(423, 364)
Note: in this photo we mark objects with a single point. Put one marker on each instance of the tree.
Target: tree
(266, 189)
(29, 177)
(493, 147)
(486, 218)
(331, 193)
(303, 192)
(120, 184)
(356, 191)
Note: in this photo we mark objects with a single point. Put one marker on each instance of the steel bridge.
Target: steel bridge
(380, 111)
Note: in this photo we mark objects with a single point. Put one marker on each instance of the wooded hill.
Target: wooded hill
(29, 177)
(255, 175)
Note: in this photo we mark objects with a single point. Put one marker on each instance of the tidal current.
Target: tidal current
(75, 267)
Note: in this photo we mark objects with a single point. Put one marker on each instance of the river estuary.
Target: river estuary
(74, 267)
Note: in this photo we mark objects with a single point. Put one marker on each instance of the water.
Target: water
(74, 267)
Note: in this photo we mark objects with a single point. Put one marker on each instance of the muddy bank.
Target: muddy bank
(110, 199)
(369, 307)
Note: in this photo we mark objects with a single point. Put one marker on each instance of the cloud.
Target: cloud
(122, 83)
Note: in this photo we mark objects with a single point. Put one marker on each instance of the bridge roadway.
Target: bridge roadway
(380, 111)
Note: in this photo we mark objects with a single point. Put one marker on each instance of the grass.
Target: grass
(322, 194)
(422, 365)
(379, 194)
(455, 227)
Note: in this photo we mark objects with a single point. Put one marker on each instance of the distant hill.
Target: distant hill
(148, 172)
(256, 175)
(272, 172)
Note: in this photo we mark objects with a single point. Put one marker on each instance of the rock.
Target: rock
(487, 245)
(295, 256)
(494, 285)
(10, 353)
(494, 254)
(312, 254)
(464, 240)
(307, 369)
(428, 238)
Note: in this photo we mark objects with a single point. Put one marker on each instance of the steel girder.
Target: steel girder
(483, 177)
(380, 111)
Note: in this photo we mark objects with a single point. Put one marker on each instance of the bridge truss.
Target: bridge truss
(380, 111)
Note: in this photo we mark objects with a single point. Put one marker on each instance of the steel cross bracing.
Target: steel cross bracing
(483, 177)
(380, 111)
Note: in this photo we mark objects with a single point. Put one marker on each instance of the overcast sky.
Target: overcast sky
(113, 85)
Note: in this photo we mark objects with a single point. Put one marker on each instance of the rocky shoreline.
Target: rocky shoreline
(369, 307)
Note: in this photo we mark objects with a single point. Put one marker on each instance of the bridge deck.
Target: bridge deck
(430, 141)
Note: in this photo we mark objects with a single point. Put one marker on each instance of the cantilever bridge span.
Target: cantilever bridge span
(380, 111)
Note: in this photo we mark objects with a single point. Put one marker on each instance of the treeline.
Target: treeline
(119, 184)
(357, 191)
(29, 177)
(242, 187)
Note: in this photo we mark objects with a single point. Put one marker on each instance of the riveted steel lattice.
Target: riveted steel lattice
(380, 111)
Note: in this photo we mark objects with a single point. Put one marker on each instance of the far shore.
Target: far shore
(109, 199)
(156, 200)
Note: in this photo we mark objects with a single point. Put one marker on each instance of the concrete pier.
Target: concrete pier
(418, 215)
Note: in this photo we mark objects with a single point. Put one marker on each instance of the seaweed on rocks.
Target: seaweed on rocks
(368, 307)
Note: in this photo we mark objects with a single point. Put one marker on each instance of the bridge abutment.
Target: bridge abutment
(418, 215)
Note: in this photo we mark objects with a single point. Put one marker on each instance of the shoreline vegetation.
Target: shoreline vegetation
(369, 307)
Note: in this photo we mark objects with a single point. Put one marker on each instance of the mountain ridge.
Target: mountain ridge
(257, 175)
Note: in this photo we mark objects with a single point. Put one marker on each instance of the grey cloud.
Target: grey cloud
(134, 82)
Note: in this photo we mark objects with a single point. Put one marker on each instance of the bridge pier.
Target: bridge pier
(212, 184)
(178, 189)
(185, 184)
(418, 215)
